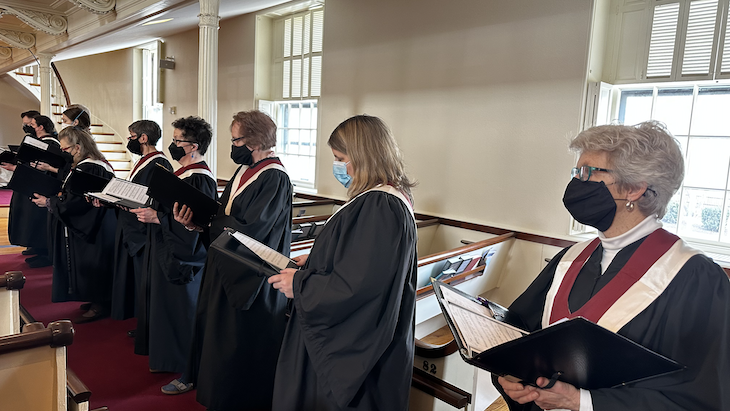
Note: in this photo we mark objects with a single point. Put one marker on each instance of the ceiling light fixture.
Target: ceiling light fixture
(149, 23)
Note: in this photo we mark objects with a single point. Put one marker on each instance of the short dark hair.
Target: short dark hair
(258, 128)
(196, 130)
(147, 127)
(30, 114)
(46, 123)
(78, 113)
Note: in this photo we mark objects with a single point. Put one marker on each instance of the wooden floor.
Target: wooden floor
(498, 405)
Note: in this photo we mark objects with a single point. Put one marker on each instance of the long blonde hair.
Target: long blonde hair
(374, 154)
(88, 147)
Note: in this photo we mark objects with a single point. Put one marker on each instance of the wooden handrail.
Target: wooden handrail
(433, 258)
(12, 280)
(312, 203)
(77, 390)
(427, 290)
(310, 219)
(438, 388)
(427, 223)
(58, 334)
(63, 85)
(439, 343)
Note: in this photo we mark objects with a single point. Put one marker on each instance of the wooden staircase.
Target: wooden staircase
(110, 143)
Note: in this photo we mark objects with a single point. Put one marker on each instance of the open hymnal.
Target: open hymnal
(275, 259)
(479, 327)
(576, 351)
(124, 194)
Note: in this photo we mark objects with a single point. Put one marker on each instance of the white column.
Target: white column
(208, 72)
(44, 61)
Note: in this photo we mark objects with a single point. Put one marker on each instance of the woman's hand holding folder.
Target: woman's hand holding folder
(184, 216)
(560, 396)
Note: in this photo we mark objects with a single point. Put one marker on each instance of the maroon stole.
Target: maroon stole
(253, 170)
(143, 160)
(653, 247)
(193, 166)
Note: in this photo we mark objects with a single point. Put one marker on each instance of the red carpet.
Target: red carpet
(102, 354)
(5, 195)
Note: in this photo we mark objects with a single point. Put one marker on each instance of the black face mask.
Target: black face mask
(590, 203)
(176, 152)
(29, 130)
(135, 147)
(241, 155)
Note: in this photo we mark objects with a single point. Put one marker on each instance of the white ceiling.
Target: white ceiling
(184, 18)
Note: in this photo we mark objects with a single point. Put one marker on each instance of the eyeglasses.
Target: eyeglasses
(233, 140)
(182, 141)
(66, 149)
(133, 137)
(583, 173)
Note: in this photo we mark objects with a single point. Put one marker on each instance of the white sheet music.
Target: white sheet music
(35, 143)
(126, 190)
(476, 324)
(271, 256)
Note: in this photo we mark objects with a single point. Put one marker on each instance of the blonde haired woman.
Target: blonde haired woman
(349, 341)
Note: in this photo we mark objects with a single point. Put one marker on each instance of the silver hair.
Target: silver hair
(644, 153)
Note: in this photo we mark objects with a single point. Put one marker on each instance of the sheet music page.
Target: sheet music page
(35, 143)
(271, 256)
(105, 197)
(127, 190)
(475, 322)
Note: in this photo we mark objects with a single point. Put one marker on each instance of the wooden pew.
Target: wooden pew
(10, 284)
(308, 208)
(33, 368)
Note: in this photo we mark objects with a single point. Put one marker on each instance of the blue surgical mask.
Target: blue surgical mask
(339, 169)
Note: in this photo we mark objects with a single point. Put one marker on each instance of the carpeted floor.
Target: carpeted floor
(5, 196)
(102, 353)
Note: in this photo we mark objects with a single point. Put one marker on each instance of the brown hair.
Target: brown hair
(258, 128)
(76, 135)
(374, 154)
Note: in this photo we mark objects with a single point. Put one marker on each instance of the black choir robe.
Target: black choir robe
(174, 258)
(240, 319)
(28, 223)
(349, 342)
(130, 239)
(689, 323)
(83, 245)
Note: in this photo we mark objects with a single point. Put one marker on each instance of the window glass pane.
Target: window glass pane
(725, 232)
(673, 108)
(700, 213)
(671, 217)
(710, 115)
(707, 162)
(635, 106)
(306, 117)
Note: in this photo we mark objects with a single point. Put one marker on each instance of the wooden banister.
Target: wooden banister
(58, 334)
(63, 85)
(431, 385)
(312, 203)
(439, 343)
(77, 390)
(427, 290)
(12, 280)
(433, 258)
(427, 223)
(310, 219)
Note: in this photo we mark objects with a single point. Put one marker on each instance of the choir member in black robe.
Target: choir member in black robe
(174, 256)
(131, 234)
(240, 320)
(83, 235)
(28, 224)
(349, 342)
(680, 299)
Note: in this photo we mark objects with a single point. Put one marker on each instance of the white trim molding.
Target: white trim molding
(17, 39)
(96, 6)
(51, 23)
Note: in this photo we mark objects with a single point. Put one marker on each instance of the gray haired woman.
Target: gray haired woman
(635, 279)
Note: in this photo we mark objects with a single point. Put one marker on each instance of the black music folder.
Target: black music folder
(255, 255)
(8, 156)
(168, 189)
(576, 351)
(26, 180)
(36, 150)
(80, 182)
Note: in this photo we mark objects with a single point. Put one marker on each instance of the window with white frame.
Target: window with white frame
(696, 114)
(297, 74)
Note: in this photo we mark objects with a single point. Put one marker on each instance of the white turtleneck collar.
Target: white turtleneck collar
(611, 246)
